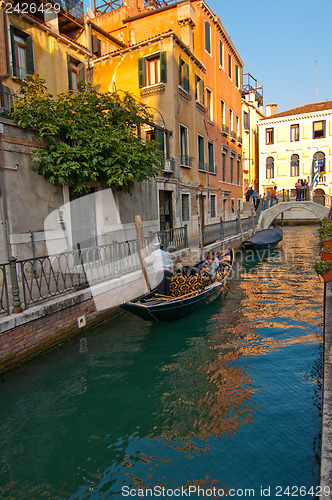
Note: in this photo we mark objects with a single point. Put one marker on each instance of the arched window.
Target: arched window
(270, 167)
(295, 165)
(319, 163)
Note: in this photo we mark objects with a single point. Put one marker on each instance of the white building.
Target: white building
(297, 144)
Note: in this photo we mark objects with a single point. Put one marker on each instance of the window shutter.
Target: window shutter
(141, 72)
(180, 71)
(196, 86)
(236, 75)
(81, 75)
(201, 83)
(207, 37)
(161, 141)
(186, 77)
(69, 73)
(163, 67)
(12, 45)
(31, 67)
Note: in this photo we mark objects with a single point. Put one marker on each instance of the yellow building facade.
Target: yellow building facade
(294, 145)
(181, 63)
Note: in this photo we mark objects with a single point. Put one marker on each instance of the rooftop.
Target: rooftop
(308, 108)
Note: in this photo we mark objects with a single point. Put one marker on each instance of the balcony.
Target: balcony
(185, 161)
(224, 130)
(169, 166)
(202, 166)
(233, 136)
(239, 141)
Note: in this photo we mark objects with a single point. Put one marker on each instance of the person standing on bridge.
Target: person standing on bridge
(274, 196)
(298, 186)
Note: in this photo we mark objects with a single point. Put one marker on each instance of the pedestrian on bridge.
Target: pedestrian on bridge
(298, 186)
(274, 196)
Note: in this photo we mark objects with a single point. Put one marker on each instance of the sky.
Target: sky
(279, 42)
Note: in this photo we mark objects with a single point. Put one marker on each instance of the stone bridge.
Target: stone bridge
(267, 216)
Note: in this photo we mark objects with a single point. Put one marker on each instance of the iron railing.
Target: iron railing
(36, 279)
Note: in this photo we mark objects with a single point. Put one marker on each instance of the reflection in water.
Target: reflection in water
(228, 397)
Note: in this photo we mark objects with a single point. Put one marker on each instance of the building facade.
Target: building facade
(296, 144)
(252, 108)
(189, 73)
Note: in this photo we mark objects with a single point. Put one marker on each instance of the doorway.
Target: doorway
(83, 218)
(165, 210)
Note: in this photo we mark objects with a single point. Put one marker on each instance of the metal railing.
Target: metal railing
(185, 161)
(29, 281)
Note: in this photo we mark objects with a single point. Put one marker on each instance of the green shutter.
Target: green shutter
(207, 37)
(81, 75)
(201, 149)
(12, 45)
(31, 67)
(196, 85)
(69, 73)
(236, 75)
(202, 91)
(180, 71)
(186, 77)
(141, 72)
(163, 67)
(161, 141)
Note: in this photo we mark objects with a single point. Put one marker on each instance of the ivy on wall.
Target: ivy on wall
(88, 136)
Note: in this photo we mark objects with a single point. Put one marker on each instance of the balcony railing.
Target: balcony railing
(168, 165)
(202, 166)
(224, 129)
(185, 161)
(239, 141)
(233, 136)
(212, 168)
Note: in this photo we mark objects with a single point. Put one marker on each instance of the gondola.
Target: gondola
(154, 307)
(266, 238)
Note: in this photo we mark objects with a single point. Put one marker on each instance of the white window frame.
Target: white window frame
(206, 23)
(189, 208)
(213, 197)
(209, 105)
(222, 53)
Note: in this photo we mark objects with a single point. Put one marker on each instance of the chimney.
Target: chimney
(271, 109)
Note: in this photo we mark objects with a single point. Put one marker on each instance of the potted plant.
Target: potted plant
(324, 269)
(325, 231)
(327, 253)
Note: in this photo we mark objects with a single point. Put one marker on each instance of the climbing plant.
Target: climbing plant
(87, 136)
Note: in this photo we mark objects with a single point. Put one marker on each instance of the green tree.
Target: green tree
(87, 136)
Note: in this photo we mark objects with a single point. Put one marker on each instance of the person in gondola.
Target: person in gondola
(163, 265)
(210, 266)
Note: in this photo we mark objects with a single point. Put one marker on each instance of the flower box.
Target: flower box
(327, 276)
(326, 255)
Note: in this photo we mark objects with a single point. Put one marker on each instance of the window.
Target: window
(269, 167)
(209, 105)
(201, 156)
(22, 54)
(221, 54)
(230, 66)
(295, 133)
(246, 120)
(230, 119)
(232, 169)
(183, 74)
(295, 165)
(96, 46)
(238, 171)
(199, 89)
(237, 125)
(237, 76)
(319, 129)
(269, 136)
(185, 207)
(211, 157)
(158, 136)
(222, 109)
(319, 163)
(213, 206)
(76, 74)
(184, 158)
(207, 37)
(223, 164)
(233, 206)
(152, 70)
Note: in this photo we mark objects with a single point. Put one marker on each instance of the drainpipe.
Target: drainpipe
(4, 210)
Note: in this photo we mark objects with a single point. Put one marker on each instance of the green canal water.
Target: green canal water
(228, 398)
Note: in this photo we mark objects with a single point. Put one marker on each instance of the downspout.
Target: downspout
(6, 44)
(4, 210)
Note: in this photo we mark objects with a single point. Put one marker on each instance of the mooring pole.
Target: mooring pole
(141, 252)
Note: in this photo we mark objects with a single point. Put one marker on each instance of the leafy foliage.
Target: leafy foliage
(87, 136)
(322, 266)
(325, 230)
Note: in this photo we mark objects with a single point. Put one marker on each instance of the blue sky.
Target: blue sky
(279, 41)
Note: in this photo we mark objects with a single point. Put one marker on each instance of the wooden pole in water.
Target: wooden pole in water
(141, 253)
(200, 232)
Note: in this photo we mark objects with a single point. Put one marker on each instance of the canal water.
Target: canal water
(227, 400)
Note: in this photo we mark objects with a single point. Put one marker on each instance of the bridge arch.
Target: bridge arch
(267, 216)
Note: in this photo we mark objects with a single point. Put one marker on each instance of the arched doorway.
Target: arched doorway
(319, 196)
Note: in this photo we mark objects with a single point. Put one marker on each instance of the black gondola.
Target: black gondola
(153, 307)
(266, 238)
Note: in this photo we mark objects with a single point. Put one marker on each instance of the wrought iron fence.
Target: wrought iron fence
(36, 279)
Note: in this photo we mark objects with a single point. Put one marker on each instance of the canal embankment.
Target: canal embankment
(326, 454)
